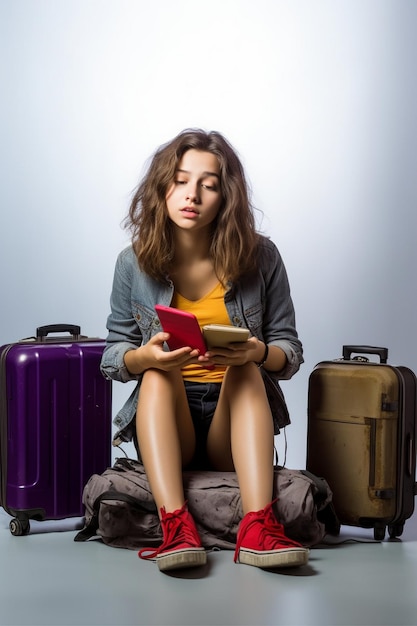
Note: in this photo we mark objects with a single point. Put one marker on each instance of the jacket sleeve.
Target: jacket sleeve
(123, 331)
(279, 328)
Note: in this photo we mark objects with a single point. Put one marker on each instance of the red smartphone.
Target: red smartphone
(183, 328)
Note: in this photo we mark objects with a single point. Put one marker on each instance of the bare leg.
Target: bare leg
(165, 435)
(242, 430)
(241, 435)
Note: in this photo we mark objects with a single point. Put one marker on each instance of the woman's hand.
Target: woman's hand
(237, 353)
(153, 355)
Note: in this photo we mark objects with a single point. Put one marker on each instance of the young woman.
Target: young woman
(195, 247)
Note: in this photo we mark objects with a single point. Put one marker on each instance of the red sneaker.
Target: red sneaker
(181, 546)
(261, 542)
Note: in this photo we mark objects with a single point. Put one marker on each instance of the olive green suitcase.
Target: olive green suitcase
(361, 438)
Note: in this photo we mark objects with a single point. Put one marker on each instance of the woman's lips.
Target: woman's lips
(189, 211)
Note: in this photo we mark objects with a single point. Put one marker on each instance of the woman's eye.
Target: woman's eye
(180, 182)
(209, 187)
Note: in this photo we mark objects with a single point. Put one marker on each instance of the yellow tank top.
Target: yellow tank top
(208, 310)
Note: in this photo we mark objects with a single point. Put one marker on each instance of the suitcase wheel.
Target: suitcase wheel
(19, 527)
(396, 530)
(379, 532)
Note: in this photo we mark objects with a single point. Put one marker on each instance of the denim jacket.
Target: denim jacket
(260, 302)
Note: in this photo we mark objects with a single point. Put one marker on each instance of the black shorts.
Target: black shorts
(202, 400)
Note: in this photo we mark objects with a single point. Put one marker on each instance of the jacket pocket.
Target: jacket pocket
(254, 317)
(146, 319)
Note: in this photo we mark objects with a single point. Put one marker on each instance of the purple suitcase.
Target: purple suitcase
(55, 424)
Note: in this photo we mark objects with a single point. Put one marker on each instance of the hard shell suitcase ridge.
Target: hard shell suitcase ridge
(55, 424)
(361, 438)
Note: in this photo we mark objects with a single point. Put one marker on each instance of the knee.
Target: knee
(157, 380)
(247, 374)
(152, 377)
(163, 390)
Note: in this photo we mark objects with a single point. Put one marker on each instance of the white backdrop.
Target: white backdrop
(319, 98)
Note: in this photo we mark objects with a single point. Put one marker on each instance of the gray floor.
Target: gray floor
(47, 579)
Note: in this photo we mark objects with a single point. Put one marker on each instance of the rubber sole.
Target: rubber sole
(181, 559)
(290, 557)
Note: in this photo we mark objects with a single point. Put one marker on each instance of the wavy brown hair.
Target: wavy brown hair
(234, 239)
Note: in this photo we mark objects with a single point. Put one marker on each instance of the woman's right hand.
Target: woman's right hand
(153, 355)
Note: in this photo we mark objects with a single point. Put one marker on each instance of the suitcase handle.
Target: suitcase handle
(43, 331)
(381, 352)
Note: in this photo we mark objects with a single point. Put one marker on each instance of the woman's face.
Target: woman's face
(194, 198)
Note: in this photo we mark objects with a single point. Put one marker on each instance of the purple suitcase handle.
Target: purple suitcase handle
(43, 331)
(381, 352)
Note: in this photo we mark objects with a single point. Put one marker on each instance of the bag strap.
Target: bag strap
(321, 485)
(326, 515)
(90, 530)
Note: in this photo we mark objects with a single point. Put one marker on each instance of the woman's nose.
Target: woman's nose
(192, 195)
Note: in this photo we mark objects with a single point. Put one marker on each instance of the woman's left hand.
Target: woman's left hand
(237, 353)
